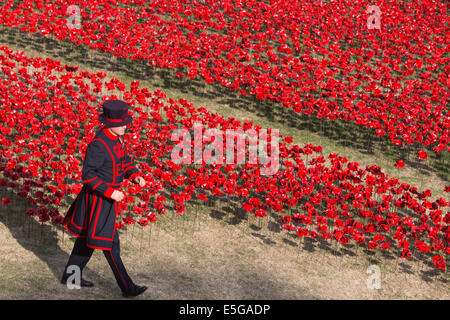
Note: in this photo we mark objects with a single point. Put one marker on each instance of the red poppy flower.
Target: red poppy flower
(404, 244)
(399, 164)
(260, 213)
(201, 196)
(143, 222)
(422, 155)
(151, 217)
(438, 262)
(406, 254)
(372, 245)
(385, 245)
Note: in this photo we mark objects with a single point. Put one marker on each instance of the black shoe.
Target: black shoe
(137, 291)
(83, 283)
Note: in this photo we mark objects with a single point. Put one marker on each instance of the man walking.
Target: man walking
(92, 216)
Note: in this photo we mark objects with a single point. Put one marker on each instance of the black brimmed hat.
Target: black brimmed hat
(115, 113)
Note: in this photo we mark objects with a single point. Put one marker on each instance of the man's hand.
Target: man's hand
(140, 180)
(117, 195)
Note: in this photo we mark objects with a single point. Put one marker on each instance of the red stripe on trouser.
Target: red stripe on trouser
(118, 270)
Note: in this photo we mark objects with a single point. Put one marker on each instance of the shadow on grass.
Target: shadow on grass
(42, 239)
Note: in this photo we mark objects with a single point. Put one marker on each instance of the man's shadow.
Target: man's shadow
(42, 239)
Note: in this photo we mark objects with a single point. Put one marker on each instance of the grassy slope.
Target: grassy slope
(209, 257)
(227, 257)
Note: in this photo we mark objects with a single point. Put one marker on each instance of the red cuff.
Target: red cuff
(109, 192)
(133, 175)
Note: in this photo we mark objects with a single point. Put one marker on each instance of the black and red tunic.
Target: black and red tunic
(93, 213)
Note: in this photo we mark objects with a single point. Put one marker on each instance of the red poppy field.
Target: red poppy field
(362, 115)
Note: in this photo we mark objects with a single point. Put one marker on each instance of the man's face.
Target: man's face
(120, 131)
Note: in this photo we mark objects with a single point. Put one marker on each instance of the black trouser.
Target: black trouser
(81, 254)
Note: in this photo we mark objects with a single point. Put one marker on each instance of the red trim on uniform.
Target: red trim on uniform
(112, 158)
(95, 224)
(100, 248)
(109, 192)
(98, 183)
(113, 184)
(86, 181)
(85, 215)
(134, 175)
(130, 167)
(101, 238)
(112, 120)
(115, 207)
(110, 135)
(72, 233)
(97, 214)
(114, 228)
(86, 211)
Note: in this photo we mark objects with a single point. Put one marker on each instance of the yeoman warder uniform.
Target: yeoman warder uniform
(92, 215)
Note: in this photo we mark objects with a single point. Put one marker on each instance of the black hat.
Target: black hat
(115, 113)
